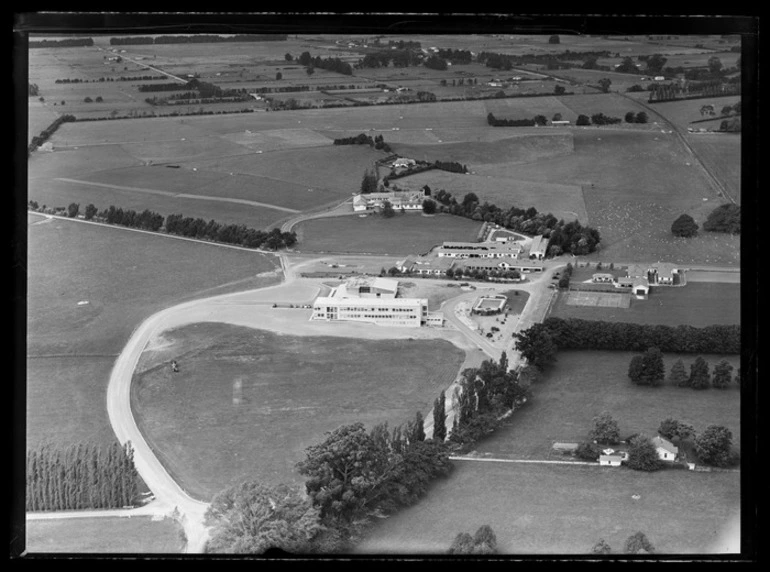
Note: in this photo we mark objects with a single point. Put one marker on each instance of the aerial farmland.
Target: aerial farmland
(220, 227)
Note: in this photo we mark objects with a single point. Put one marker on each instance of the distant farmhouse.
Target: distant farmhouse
(640, 278)
(407, 200)
(667, 451)
(374, 300)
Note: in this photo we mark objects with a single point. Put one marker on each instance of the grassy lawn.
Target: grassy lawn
(635, 184)
(125, 276)
(683, 112)
(556, 509)
(583, 384)
(696, 304)
(247, 403)
(104, 535)
(410, 233)
(722, 153)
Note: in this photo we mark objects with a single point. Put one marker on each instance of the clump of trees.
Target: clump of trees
(484, 395)
(647, 369)
(714, 446)
(429, 206)
(378, 142)
(684, 226)
(601, 119)
(642, 454)
(355, 475)
(605, 430)
(565, 277)
(369, 182)
(66, 43)
(638, 543)
(435, 62)
(250, 518)
(632, 117)
(46, 133)
(329, 64)
(483, 542)
(724, 218)
(229, 234)
(83, 476)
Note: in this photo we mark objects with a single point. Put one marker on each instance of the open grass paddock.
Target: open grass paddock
(104, 535)
(558, 509)
(582, 384)
(696, 304)
(247, 403)
(125, 276)
(404, 234)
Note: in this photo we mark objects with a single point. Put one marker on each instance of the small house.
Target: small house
(611, 458)
(667, 451)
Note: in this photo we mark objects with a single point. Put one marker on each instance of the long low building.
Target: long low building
(479, 250)
(501, 264)
(409, 312)
(407, 200)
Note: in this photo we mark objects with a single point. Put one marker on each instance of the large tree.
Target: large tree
(638, 543)
(485, 540)
(655, 64)
(723, 374)
(387, 209)
(684, 226)
(536, 345)
(724, 218)
(439, 417)
(713, 445)
(251, 517)
(642, 454)
(715, 65)
(699, 374)
(672, 429)
(429, 206)
(601, 547)
(605, 429)
(369, 182)
(678, 375)
(605, 84)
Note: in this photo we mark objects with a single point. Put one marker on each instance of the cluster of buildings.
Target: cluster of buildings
(497, 255)
(374, 300)
(666, 450)
(407, 200)
(639, 278)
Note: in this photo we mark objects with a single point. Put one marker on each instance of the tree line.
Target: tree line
(196, 39)
(398, 58)
(378, 142)
(180, 225)
(569, 238)
(648, 369)
(422, 166)
(65, 43)
(329, 64)
(82, 476)
(119, 78)
(540, 343)
(169, 86)
(46, 133)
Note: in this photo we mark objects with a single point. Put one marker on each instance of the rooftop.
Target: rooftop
(659, 441)
(373, 302)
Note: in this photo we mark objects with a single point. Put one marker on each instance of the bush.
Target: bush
(588, 451)
(642, 454)
(724, 218)
(684, 226)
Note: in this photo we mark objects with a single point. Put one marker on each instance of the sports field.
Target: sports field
(247, 403)
(124, 277)
(598, 299)
(696, 304)
(404, 234)
(556, 509)
(104, 535)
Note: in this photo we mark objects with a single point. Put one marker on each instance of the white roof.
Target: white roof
(372, 302)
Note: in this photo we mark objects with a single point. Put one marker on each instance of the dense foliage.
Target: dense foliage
(638, 543)
(83, 476)
(643, 455)
(329, 64)
(229, 234)
(377, 142)
(46, 133)
(65, 43)
(684, 226)
(724, 218)
(647, 369)
(578, 334)
(250, 518)
(713, 446)
(605, 430)
(483, 542)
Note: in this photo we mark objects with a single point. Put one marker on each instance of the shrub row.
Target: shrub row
(46, 133)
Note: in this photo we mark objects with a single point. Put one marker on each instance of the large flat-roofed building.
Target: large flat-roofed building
(501, 264)
(538, 247)
(407, 200)
(373, 300)
(479, 250)
(408, 312)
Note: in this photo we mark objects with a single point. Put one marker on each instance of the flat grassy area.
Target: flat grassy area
(682, 113)
(563, 201)
(635, 184)
(125, 277)
(404, 234)
(722, 154)
(582, 384)
(556, 509)
(247, 403)
(696, 304)
(104, 535)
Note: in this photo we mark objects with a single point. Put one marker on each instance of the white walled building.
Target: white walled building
(479, 250)
(539, 247)
(373, 300)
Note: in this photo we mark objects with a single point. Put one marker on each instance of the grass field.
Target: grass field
(104, 535)
(125, 276)
(410, 233)
(249, 402)
(722, 153)
(582, 384)
(554, 509)
(682, 113)
(563, 201)
(697, 304)
(635, 184)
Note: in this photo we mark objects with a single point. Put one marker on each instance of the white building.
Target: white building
(373, 300)
(667, 451)
(479, 250)
(539, 247)
(407, 200)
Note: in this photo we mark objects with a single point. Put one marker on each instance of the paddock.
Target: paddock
(599, 299)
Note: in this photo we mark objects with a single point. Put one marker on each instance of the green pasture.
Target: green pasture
(247, 403)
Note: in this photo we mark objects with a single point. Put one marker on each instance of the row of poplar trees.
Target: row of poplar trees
(81, 476)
